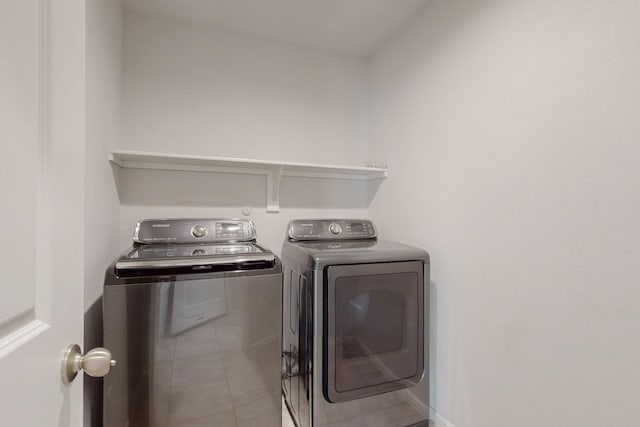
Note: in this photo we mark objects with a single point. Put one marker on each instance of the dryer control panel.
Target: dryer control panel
(194, 230)
(331, 229)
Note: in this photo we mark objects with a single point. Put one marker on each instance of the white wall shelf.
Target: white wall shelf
(273, 170)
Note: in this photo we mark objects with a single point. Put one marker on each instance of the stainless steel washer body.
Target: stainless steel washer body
(192, 314)
(355, 333)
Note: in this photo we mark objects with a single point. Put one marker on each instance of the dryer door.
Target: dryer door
(374, 333)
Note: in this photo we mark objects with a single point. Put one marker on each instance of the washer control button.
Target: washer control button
(335, 228)
(198, 231)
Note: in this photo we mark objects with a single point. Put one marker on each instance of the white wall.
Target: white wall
(196, 90)
(103, 129)
(160, 194)
(512, 136)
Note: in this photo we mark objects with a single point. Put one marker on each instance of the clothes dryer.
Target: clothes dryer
(355, 334)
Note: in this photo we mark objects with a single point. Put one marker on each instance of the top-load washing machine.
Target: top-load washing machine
(355, 339)
(192, 314)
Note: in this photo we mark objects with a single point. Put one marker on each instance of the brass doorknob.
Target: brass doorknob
(96, 362)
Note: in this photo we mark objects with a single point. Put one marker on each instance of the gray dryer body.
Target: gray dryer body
(355, 332)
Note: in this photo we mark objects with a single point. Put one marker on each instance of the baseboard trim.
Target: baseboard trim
(427, 411)
(438, 420)
(416, 403)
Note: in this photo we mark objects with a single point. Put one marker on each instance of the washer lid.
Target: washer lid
(159, 259)
(168, 252)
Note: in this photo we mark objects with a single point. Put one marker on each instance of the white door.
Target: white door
(42, 89)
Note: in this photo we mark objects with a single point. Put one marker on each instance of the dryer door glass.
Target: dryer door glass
(374, 339)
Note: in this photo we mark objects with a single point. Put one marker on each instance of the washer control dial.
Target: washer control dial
(335, 228)
(198, 231)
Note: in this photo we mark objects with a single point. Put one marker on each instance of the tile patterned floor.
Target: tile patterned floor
(211, 378)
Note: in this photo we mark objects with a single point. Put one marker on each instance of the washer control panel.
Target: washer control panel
(192, 230)
(335, 228)
(331, 229)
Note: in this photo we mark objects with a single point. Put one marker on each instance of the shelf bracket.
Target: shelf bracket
(273, 189)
